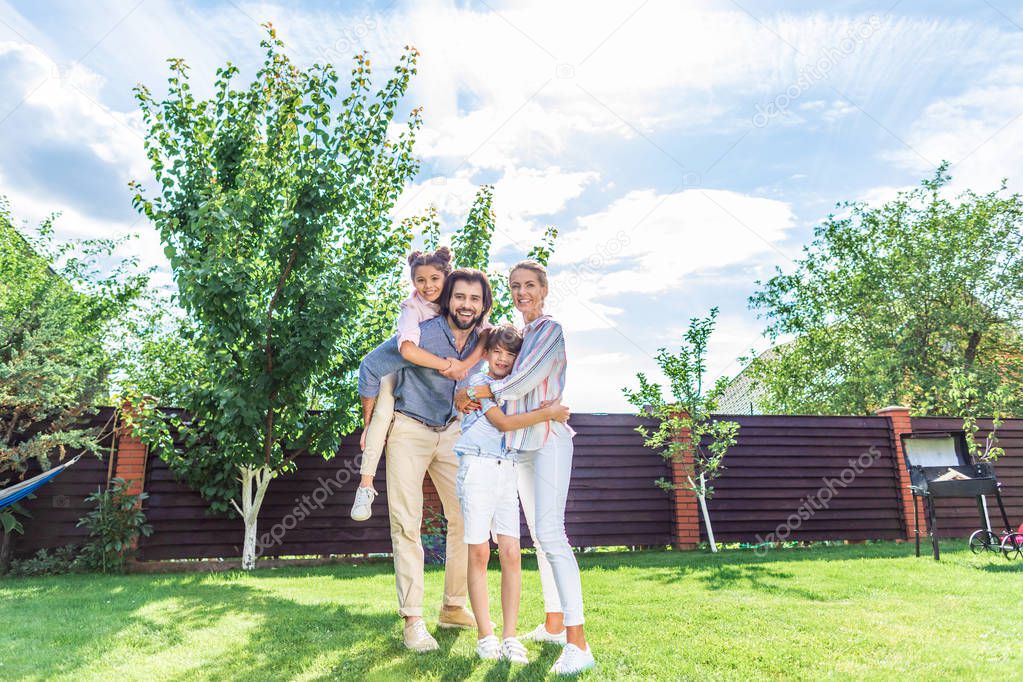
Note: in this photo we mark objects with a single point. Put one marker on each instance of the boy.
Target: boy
(487, 489)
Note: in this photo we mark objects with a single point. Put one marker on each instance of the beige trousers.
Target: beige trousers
(412, 451)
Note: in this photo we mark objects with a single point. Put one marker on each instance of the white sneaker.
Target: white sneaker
(540, 634)
(513, 651)
(488, 648)
(362, 509)
(418, 638)
(573, 661)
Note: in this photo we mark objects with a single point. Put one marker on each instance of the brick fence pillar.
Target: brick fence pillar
(687, 515)
(900, 421)
(130, 460)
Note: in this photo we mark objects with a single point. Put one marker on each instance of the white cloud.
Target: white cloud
(557, 103)
(979, 130)
(648, 242)
(877, 196)
(522, 196)
(53, 102)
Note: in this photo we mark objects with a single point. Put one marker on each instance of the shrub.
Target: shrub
(114, 526)
(62, 560)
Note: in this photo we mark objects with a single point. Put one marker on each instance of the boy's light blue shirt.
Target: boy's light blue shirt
(479, 435)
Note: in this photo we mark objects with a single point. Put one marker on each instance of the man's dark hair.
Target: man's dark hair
(466, 275)
(504, 336)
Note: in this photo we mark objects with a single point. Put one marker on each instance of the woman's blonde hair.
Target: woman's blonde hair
(532, 266)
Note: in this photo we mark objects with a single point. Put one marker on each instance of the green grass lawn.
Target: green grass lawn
(871, 611)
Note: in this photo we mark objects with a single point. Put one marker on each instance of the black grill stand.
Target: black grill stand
(929, 454)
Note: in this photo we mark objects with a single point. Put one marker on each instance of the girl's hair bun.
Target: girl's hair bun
(443, 254)
(440, 259)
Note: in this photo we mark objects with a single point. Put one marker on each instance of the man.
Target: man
(421, 440)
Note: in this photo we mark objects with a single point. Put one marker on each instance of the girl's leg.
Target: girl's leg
(552, 472)
(551, 599)
(509, 550)
(376, 432)
(479, 556)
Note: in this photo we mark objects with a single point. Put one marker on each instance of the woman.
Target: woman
(545, 463)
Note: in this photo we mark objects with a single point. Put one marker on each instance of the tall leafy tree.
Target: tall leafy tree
(163, 360)
(60, 303)
(273, 211)
(889, 302)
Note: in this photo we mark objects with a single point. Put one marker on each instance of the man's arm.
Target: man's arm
(378, 363)
(553, 411)
(367, 409)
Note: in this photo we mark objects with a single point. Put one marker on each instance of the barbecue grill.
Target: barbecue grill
(929, 456)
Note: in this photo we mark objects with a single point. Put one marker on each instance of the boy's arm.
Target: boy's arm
(513, 422)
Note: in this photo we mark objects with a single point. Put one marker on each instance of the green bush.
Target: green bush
(114, 526)
(62, 560)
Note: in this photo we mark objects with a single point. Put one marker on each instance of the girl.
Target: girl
(428, 271)
(544, 464)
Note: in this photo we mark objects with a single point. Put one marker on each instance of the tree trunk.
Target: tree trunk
(971, 349)
(5, 550)
(254, 481)
(706, 514)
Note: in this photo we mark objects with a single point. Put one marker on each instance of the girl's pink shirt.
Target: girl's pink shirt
(416, 309)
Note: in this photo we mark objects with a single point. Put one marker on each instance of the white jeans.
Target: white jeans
(544, 476)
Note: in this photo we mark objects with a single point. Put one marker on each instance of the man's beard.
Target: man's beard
(457, 321)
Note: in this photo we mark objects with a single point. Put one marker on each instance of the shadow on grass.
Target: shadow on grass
(769, 572)
(879, 550)
(1002, 568)
(161, 624)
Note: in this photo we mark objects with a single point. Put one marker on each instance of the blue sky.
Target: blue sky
(683, 149)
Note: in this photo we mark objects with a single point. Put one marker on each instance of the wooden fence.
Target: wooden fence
(59, 504)
(788, 478)
(613, 501)
(801, 478)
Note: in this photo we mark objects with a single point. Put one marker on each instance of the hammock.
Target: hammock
(9, 496)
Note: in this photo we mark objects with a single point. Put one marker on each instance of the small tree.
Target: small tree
(274, 210)
(685, 424)
(965, 398)
(59, 306)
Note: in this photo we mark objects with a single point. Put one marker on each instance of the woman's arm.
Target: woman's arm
(546, 343)
(531, 369)
(553, 411)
